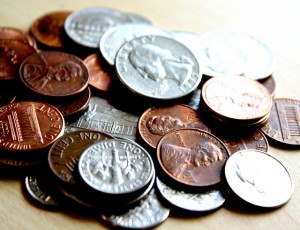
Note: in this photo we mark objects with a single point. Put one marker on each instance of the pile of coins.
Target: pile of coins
(104, 110)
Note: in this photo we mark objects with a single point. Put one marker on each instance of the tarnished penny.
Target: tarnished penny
(192, 157)
(236, 141)
(75, 104)
(64, 154)
(99, 78)
(12, 54)
(283, 124)
(54, 73)
(49, 29)
(29, 125)
(258, 178)
(155, 122)
(10, 33)
(270, 84)
(237, 98)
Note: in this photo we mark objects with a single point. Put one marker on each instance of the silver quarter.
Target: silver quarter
(86, 26)
(233, 52)
(116, 166)
(115, 37)
(102, 116)
(157, 67)
(200, 202)
(148, 214)
(258, 178)
(35, 186)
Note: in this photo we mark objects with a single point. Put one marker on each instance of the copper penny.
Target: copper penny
(64, 154)
(10, 33)
(155, 122)
(49, 29)
(236, 141)
(99, 78)
(54, 73)
(270, 84)
(283, 124)
(75, 104)
(29, 125)
(12, 54)
(192, 157)
(237, 98)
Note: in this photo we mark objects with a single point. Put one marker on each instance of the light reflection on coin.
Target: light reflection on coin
(233, 52)
(258, 178)
(148, 214)
(201, 201)
(158, 67)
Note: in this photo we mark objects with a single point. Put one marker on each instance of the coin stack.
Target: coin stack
(133, 121)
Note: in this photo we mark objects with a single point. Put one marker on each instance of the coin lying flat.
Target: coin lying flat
(155, 122)
(192, 157)
(283, 124)
(12, 54)
(237, 98)
(116, 166)
(29, 125)
(115, 37)
(157, 67)
(54, 73)
(258, 178)
(65, 152)
(49, 28)
(10, 33)
(148, 214)
(203, 201)
(99, 78)
(233, 52)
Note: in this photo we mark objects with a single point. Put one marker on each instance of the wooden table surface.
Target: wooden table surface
(276, 22)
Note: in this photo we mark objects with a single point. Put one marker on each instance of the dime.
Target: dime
(283, 125)
(65, 152)
(75, 104)
(99, 78)
(49, 28)
(258, 178)
(87, 26)
(29, 125)
(39, 189)
(192, 157)
(116, 166)
(102, 116)
(155, 122)
(148, 214)
(54, 73)
(237, 98)
(115, 37)
(157, 67)
(12, 54)
(233, 52)
(204, 201)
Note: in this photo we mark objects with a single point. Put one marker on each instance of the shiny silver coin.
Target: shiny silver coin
(116, 166)
(148, 214)
(157, 67)
(102, 116)
(200, 202)
(115, 37)
(258, 178)
(36, 188)
(233, 52)
(86, 26)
